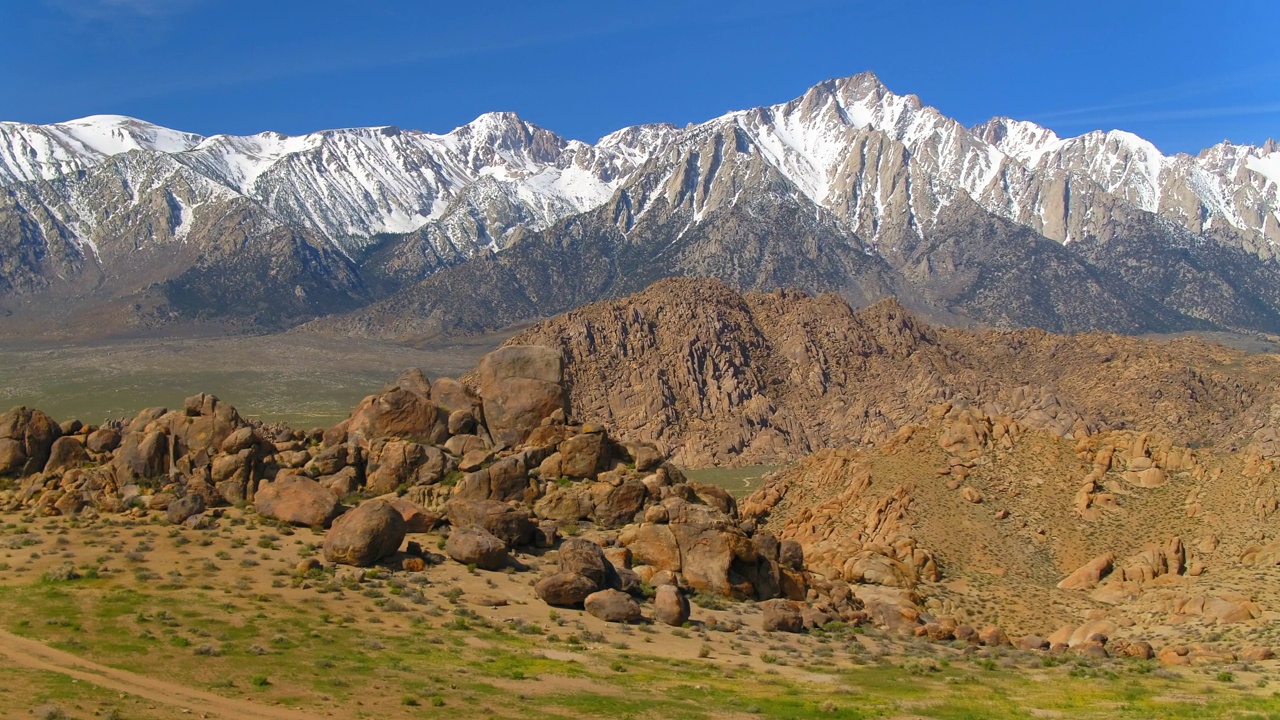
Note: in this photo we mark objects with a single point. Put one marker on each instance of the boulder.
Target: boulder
(791, 555)
(815, 617)
(670, 606)
(645, 456)
(565, 589)
(585, 558)
(297, 500)
(1031, 642)
(416, 519)
(202, 425)
(520, 385)
(873, 568)
(715, 496)
(184, 507)
(656, 514)
(475, 460)
(230, 474)
(342, 483)
(103, 440)
(782, 616)
(505, 479)
(462, 445)
(141, 455)
(1174, 655)
(715, 560)
(473, 545)
(612, 606)
(461, 422)
(240, 440)
(512, 524)
(415, 381)
(451, 395)
(1088, 576)
(565, 504)
(401, 462)
(652, 544)
(1141, 650)
(621, 504)
(66, 453)
(399, 413)
(12, 456)
(329, 461)
(1257, 654)
(365, 535)
(33, 432)
(1092, 631)
(992, 636)
(582, 456)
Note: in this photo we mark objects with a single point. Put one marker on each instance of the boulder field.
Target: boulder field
(494, 463)
(1068, 542)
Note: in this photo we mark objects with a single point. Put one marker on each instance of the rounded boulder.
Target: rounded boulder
(372, 531)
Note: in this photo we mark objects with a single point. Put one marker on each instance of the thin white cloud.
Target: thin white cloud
(1154, 104)
(118, 9)
(1224, 111)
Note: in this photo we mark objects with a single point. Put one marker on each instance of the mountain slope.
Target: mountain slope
(723, 378)
(849, 187)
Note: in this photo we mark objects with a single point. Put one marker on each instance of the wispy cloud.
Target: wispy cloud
(95, 10)
(1172, 102)
(1162, 115)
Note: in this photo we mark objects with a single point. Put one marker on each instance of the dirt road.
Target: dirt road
(37, 656)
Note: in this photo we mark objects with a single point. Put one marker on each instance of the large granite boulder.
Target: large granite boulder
(513, 524)
(612, 606)
(520, 385)
(297, 500)
(473, 545)
(66, 453)
(31, 434)
(141, 455)
(565, 589)
(399, 413)
(363, 536)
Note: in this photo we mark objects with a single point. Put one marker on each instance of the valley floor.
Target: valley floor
(127, 617)
(302, 379)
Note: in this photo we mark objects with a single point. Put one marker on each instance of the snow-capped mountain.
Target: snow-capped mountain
(848, 163)
(347, 185)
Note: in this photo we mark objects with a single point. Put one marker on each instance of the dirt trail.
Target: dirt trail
(37, 656)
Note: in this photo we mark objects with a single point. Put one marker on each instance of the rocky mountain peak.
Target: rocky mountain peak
(849, 177)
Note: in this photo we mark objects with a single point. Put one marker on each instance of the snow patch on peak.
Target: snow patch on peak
(1024, 141)
(115, 134)
(1267, 166)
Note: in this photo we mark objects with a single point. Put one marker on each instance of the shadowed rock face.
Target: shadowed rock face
(718, 377)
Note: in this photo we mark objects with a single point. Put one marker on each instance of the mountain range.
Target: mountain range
(113, 225)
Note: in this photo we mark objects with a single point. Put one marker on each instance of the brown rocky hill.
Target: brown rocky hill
(981, 520)
(718, 377)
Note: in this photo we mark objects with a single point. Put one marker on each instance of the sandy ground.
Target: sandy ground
(38, 656)
(256, 557)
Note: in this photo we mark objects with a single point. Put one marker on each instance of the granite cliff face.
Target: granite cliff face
(848, 188)
(719, 377)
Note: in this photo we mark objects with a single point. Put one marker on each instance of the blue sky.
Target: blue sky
(1183, 74)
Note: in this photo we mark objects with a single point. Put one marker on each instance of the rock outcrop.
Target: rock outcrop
(718, 377)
